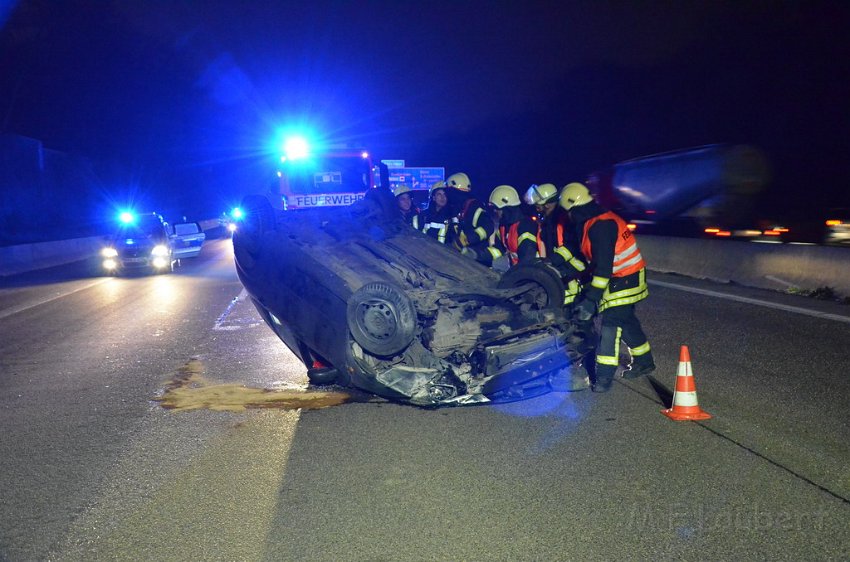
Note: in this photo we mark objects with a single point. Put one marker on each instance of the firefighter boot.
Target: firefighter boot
(603, 378)
(642, 365)
(579, 378)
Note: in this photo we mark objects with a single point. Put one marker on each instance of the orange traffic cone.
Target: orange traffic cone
(685, 405)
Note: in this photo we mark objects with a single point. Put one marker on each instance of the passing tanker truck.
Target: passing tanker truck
(706, 190)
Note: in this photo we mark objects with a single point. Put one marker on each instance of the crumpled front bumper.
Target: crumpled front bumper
(518, 369)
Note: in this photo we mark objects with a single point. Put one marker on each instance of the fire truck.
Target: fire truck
(331, 177)
(335, 176)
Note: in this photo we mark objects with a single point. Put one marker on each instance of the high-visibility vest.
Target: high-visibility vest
(572, 287)
(627, 256)
(628, 261)
(511, 239)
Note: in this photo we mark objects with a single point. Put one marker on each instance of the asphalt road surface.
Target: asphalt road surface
(93, 467)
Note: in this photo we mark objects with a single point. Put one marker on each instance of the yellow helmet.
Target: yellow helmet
(438, 185)
(504, 196)
(402, 188)
(541, 194)
(573, 195)
(459, 181)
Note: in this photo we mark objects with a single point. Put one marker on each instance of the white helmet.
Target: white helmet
(541, 194)
(573, 195)
(504, 196)
(438, 185)
(402, 188)
(459, 181)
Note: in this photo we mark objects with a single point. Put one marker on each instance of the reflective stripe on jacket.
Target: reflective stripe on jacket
(437, 230)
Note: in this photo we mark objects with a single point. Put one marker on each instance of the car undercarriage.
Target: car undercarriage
(364, 300)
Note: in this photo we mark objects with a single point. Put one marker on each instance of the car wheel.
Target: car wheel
(381, 318)
(548, 292)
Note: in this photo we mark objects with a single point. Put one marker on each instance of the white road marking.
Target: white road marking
(32, 304)
(757, 302)
(219, 323)
(779, 280)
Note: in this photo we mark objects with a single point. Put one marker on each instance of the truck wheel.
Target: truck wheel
(259, 219)
(548, 292)
(381, 318)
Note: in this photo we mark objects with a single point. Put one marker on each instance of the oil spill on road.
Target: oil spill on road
(188, 390)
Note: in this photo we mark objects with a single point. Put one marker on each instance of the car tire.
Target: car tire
(549, 285)
(381, 318)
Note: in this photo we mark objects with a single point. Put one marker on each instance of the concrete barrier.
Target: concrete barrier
(768, 266)
(27, 257)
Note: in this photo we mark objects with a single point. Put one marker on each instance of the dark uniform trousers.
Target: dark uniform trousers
(619, 323)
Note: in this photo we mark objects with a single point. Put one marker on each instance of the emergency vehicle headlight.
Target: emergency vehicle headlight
(159, 250)
(109, 252)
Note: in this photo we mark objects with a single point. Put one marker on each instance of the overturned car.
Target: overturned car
(366, 301)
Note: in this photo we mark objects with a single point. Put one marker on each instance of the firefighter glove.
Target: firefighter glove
(501, 264)
(469, 252)
(584, 310)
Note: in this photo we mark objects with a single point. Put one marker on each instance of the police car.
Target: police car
(146, 243)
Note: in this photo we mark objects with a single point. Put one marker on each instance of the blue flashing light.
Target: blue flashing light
(126, 217)
(237, 213)
(296, 148)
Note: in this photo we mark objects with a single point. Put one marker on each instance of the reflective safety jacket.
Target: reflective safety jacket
(554, 246)
(474, 226)
(412, 218)
(475, 229)
(437, 224)
(520, 240)
(618, 279)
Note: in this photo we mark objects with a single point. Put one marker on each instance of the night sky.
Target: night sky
(183, 99)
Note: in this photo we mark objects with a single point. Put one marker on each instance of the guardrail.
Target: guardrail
(769, 266)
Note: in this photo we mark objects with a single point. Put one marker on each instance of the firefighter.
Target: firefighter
(473, 227)
(618, 283)
(437, 217)
(517, 232)
(556, 242)
(404, 200)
